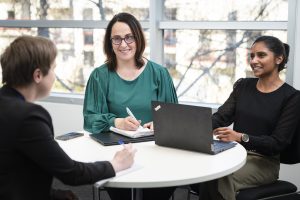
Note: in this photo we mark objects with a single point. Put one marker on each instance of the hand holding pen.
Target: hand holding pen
(124, 158)
(128, 123)
(131, 115)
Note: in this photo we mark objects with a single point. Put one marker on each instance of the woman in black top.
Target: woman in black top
(30, 157)
(264, 113)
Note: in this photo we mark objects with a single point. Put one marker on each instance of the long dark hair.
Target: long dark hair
(137, 31)
(277, 47)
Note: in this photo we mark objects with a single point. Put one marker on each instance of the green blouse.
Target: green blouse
(107, 95)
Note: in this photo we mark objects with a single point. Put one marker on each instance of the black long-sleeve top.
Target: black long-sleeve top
(30, 157)
(270, 119)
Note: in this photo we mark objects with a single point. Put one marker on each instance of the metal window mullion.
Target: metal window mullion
(293, 69)
(156, 34)
(54, 97)
(224, 25)
(60, 24)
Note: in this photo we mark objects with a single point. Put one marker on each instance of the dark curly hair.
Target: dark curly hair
(138, 34)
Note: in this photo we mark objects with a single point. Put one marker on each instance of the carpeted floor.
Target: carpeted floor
(86, 192)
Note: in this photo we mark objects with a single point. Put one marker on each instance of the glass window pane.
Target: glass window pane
(204, 64)
(229, 10)
(79, 52)
(72, 9)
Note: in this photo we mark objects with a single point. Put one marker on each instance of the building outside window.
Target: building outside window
(204, 60)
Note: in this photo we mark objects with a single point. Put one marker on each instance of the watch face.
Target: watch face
(245, 138)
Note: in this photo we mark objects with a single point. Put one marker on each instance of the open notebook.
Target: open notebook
(133, 168)
(140, 132)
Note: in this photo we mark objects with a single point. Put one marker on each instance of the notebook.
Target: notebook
(140, 132)
(133, 168)
(186, 127)
(111, 138)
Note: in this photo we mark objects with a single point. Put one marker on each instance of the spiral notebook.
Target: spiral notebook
(140, 132)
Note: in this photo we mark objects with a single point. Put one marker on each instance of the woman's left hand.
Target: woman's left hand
(226, 134)
(149, 125)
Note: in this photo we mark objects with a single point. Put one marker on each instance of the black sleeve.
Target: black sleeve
(37, 143)
(282, 135)
(226, 112)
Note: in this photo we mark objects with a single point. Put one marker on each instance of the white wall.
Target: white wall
(65, 117)
(290, 173)
(68, 117)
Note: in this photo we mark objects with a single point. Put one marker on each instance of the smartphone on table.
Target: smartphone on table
(69, 136)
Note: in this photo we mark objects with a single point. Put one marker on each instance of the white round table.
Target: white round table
(159, 166)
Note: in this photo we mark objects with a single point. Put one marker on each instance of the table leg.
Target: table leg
(132, 194)
(93, 190)
(136, 194)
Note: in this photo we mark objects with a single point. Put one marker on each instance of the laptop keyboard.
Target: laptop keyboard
(221, 146)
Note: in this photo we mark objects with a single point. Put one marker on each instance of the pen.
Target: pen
(131, 115)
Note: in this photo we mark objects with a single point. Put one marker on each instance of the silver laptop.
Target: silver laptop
(185, 127)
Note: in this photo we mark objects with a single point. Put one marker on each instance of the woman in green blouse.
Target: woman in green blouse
(127, 79)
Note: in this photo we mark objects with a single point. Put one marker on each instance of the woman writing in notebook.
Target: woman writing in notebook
(127, 79)
(264, 111)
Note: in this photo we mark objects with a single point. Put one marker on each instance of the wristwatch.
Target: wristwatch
(245, 137)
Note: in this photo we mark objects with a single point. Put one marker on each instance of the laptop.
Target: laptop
(186, 127)
(111, 138)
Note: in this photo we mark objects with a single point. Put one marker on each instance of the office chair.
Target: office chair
(279, 189)
(97, 192)
(188, 189)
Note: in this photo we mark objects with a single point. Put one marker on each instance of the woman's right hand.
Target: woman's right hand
(123, 159)
(127, 123)
(226, 134)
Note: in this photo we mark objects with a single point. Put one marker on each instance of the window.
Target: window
(229, 10)
(205, 42)
(206, 63)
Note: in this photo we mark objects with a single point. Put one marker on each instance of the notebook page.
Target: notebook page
(133, 168)
(133, 134)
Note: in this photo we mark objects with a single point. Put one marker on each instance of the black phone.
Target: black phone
(69, 136)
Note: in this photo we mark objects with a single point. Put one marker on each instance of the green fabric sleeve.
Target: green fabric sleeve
(167, 92)
(95, 110)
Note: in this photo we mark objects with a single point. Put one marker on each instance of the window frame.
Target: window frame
(157, 25)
